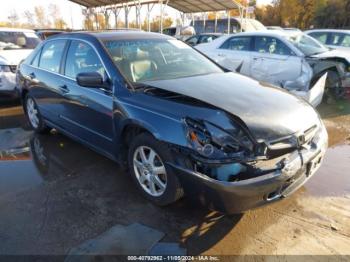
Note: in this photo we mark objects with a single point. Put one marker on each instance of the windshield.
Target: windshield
(307, 44)
(18, 40)
(161, 59)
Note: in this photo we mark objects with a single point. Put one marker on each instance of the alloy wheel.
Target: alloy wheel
(32, 113)
(150, 171)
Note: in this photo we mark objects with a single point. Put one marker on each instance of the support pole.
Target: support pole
(161, 17)
(216, 22)
(96, 18)
(138, 7)
(162, 9)
(149, 10)
(241, 17)
(228, 21)
(116, 12)
(204, 21)
(126, 11)
(106, 12)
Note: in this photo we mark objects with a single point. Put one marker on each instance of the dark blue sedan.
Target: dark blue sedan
(181, 123)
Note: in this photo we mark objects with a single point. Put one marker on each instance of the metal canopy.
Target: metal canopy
(185, 6)
(195, 6)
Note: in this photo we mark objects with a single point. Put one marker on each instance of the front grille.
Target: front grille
(13, 68)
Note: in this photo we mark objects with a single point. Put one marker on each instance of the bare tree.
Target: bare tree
(41, 17)
(29, 16)
(13, 18)
(55, 14)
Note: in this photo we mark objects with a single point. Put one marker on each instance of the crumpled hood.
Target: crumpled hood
(334, 53)
(13, 57)
(269, 112)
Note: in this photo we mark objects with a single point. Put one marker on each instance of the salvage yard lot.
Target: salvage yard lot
(56, 194)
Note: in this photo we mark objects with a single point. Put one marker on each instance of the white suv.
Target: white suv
(15, 45)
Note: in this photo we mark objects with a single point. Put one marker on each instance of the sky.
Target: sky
(70, 12)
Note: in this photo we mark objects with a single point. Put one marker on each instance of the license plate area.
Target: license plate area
(305, 172)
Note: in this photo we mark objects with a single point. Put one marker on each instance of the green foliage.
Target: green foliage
(306, 14)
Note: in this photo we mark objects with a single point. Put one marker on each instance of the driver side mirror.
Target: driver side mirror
(90, 79)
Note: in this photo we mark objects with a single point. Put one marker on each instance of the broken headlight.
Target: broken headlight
(214, 142)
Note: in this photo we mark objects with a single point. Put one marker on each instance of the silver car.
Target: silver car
(290, 60)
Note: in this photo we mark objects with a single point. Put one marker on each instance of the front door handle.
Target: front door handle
(221, 55)
(64, 88)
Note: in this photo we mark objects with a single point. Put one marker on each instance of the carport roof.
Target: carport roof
(185, 6)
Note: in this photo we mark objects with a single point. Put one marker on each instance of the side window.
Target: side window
(237, 44)
(346, 41)
(340, 39)
(271, 45)
(206, 39)
(322, 37)
(51, 55)
(82, 58)
(335, 39)
(193, 40)
(35, 61)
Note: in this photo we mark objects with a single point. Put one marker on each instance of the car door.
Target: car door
(273, 61)
(235, 54)
(89, 111)
(46, 81)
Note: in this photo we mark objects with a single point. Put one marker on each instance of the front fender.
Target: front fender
(162, 127)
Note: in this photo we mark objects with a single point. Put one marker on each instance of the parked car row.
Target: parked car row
(15, 45)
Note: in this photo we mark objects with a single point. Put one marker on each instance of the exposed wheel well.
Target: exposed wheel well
(129, 132)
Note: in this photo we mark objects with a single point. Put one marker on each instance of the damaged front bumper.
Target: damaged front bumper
(242, 195)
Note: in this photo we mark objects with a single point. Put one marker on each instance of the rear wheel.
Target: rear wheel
(146, 160)
(33, 115)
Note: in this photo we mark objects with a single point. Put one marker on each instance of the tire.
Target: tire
(334, 89)
(142, 175)
(33, 116)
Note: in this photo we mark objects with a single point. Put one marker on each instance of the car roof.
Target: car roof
(9, 29)
(329, 30)
(114, 35)
(278, 33)
(217, 34)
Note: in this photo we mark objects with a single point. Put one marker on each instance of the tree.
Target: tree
(306, 13)
(41, 18)
(29, 16)
(13, 18)
(88, 22)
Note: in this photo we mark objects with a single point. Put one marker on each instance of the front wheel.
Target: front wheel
(33, 115)
(146, 160)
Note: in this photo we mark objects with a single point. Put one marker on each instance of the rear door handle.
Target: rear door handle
(221, 55)
(64, 88)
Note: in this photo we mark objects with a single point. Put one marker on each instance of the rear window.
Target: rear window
(51, 55)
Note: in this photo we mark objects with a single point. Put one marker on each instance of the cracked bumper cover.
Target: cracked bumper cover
(240, 196)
